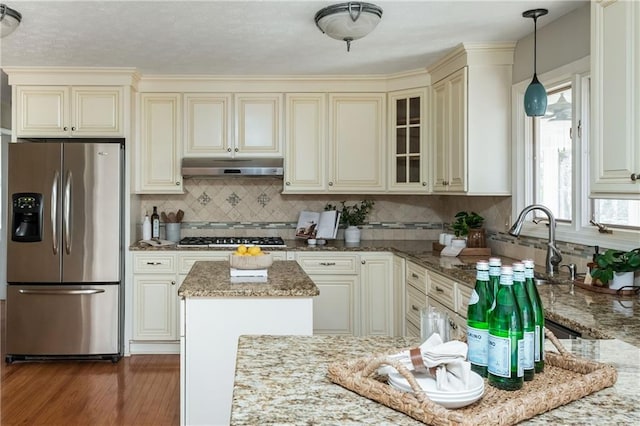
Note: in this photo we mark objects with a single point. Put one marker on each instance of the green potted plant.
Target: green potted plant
(469, 225)
(352, 217)
(615, 268)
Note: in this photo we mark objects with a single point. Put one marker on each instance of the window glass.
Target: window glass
(553, 155)
(616, 213)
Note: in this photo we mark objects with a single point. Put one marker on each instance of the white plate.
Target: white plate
(451, 403)
(428, 384)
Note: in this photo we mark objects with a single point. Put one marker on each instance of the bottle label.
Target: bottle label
(529, 348)
(521, 358)
(542, 348)
(474, 297)
(500, 356)
(478, 339)
(537, 344)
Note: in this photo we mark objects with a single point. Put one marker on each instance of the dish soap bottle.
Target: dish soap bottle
(146, 227)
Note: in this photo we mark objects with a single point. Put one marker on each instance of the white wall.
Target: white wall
(560, 42)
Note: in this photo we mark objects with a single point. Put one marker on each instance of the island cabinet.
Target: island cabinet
(215, 312)
(356, 292)
(159, 148)
(615, 99)
(416, 297)
(69, 111)
(408, 156)
(471, 116)
(452, 297)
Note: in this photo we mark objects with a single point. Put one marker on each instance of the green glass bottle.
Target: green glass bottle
(528, 322)
(478, 320)
(506, 344)
(538, 315)
(494, 277)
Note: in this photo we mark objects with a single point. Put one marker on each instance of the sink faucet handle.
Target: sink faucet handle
(572, 270)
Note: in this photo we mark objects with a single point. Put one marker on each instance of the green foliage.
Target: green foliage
(612, 261)
(465, 221)
(353, 215)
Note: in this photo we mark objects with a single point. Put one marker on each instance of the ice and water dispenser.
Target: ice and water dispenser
(27, 217)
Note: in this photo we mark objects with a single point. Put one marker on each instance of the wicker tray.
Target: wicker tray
(565, 378)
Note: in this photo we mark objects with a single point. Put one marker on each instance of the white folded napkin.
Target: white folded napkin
(444, 361)
(451, 251)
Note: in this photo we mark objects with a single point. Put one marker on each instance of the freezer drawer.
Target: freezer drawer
(62, 320)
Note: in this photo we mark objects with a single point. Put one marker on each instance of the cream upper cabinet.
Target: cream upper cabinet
(69, 111)
(615, 98)
(208, 125)
(471, 120)
(258, 125)
(408, 158)
(356, 143)
(306, 142)
(158, 153)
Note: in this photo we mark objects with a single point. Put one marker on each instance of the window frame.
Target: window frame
(578, 231)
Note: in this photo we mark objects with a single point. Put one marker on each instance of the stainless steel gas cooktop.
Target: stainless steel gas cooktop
(232, 242)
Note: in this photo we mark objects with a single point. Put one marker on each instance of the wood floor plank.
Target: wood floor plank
(138, 390)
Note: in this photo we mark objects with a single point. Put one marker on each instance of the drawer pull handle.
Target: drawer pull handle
(415, 308)
(439, 290)
(154, 263)
(453, 325)
(414, 275)
(328, 263)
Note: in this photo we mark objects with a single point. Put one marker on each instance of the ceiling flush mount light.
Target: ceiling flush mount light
(9, 20)
(535, 98)
(348, 21)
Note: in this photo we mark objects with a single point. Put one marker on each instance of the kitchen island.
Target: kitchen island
(283, 380)
(215, 311)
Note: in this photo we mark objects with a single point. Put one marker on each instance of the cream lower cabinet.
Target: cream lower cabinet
(415, 297)
(356, 292)
(399, 298)
(615, 103)
(452, 297)
(158, 153)
(69, 111)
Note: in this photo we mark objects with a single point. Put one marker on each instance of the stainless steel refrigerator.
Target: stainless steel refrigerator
(64, 249)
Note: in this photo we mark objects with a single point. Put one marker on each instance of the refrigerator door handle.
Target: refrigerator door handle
(67, 211)
(61, 292)
(54, 211)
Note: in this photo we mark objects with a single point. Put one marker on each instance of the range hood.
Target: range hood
(210, 167)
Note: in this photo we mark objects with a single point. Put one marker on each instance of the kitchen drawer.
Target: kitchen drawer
(332, 264)
(155, 263)
(412, 330)
(415, 301)
(442, 289)
(417, 277)
(457, 324)
(186, 261)
(463, 293)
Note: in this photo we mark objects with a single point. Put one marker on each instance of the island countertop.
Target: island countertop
(212, 279)
(283, 380)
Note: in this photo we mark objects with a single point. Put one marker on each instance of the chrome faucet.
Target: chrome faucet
(553, 254)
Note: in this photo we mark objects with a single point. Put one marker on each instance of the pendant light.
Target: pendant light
(348, 21)
(9, 20)
(535, 98)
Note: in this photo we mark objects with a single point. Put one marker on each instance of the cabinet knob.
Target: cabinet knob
(65, 128)
(415, 275)
(635, 177)
(363, 262)
(439, 290)
(424, 183)
(154, 263)
(415, 308)
(173, 283)
(177, 183)
(73, 128)
(236, 150)
(330, 183)
(228, 149)
(287, 183)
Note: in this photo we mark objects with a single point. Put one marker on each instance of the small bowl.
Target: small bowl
(263, 261)
(311, 241)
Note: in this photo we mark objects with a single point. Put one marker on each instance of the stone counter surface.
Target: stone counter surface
(596, 315)
(283, 380)
(212, 279)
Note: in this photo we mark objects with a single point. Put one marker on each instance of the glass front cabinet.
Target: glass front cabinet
(407, 136)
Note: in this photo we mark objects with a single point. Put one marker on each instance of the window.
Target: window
(551, 166)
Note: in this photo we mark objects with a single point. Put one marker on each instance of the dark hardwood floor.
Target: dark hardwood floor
(138, 390)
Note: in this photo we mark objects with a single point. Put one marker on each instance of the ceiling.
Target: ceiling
(255, 37)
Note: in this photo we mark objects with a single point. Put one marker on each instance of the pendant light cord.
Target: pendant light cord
(535, 45)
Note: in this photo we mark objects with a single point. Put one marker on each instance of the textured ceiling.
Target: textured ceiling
(255, 38)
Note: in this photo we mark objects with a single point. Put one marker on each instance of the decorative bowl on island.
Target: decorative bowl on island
(261, 261)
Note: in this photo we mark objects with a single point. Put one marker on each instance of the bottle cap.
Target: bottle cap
(482, 265)
(506, 270)
(528, 263)
(518, 266)
(495, 261)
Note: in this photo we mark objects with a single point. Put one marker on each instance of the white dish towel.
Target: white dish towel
(446, 362)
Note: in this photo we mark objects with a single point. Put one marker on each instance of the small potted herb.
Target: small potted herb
(352, 217)
(469, 225)
(615, 268)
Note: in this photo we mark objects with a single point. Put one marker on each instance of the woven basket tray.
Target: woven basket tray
(565, 378)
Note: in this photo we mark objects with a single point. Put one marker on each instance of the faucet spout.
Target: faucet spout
(554, 257)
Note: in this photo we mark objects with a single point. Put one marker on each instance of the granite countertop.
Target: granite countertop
(596, 315)
(212, 279)
(283, 380)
